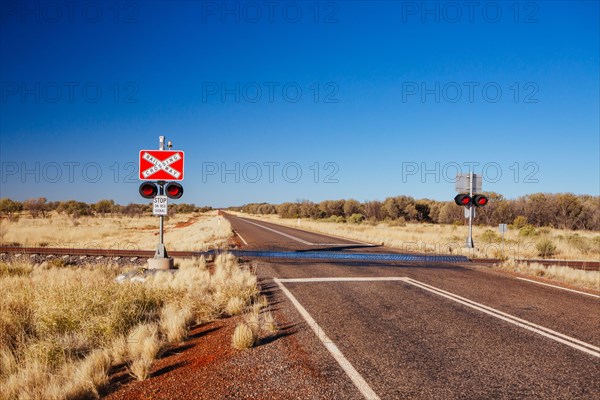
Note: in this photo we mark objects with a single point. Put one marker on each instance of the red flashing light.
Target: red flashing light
(462, 199)
(480, 200)
(174, 190)
(148, 190)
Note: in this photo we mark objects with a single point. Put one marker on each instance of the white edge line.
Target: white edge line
(559, 287)
(280, 233)
(519, 320)
(514, 320)
(549, 333)
(352, 373)
(240, 236)
(342, 279)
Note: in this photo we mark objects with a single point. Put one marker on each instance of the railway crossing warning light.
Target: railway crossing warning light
(462, 199)
(480, 200)
(174, 190)
(148, 190)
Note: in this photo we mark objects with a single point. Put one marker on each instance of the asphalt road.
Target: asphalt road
(416, 330)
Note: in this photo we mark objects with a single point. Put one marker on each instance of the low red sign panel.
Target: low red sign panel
(161, 165)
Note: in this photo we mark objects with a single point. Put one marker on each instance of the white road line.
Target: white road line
(352, 373)
(304, 241)
(240, 236)
(530, 326)
(343, 279)
(280, 233)
(559, 287)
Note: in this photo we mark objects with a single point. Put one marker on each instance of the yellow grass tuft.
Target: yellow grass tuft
(144, 345)
(61, 329)
(243, 336)
(571, 276)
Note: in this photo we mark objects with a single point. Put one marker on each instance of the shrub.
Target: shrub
(243, 336)
(489, 236)
(519, 222)
(356, 218)
(584, 245)
(545, 248)
(528, 231)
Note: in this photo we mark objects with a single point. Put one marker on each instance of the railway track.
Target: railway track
(141, 254)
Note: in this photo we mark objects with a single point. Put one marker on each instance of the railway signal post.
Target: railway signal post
(166, 167)
(470, 183)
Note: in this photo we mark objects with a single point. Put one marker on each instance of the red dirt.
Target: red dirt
(183, 367)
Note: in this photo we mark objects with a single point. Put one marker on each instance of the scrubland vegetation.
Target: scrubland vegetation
(193, 231)
(560, 211)
(63, 330)
(521, 241)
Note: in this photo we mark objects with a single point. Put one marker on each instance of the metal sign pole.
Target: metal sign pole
(470, 238)
(161, 251)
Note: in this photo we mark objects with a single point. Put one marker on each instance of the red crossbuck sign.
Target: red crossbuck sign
(161, 165)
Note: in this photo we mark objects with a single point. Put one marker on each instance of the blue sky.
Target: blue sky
(364, 99)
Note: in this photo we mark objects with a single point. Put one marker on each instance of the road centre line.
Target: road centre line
(559, 287)
(304, 241)
(530, 326)
(280, 233)
(352, 373)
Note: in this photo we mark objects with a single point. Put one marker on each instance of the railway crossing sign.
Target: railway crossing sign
(161, 165)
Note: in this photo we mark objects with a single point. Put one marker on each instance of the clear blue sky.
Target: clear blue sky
(388, 89)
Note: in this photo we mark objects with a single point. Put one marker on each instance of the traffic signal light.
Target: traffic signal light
(480, 200)
(174, 190)
(462, 199)
(148, 190)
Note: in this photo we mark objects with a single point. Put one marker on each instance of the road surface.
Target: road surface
(418, 330)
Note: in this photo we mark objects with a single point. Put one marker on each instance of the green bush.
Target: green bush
(519, 222)
(356, 218)
(584, 245)
(528, 231)
(545, 248)
(489, 236)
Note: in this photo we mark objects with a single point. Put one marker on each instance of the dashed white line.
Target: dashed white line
(304, 241)
(352, 373)
(280, 233)
(559, 287)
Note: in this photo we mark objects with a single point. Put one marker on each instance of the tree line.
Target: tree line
(557, 210)
(40, 208)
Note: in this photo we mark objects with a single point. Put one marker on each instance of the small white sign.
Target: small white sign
(469, 210)
(502, 228)
(159, 205)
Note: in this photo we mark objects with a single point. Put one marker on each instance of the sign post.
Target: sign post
(502, 229)
(469, 183)
(164, 166)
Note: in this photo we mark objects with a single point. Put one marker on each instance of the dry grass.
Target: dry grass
(243, 336)
(205, 231)
(571, 276)
(61, 329)
(450, 239)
